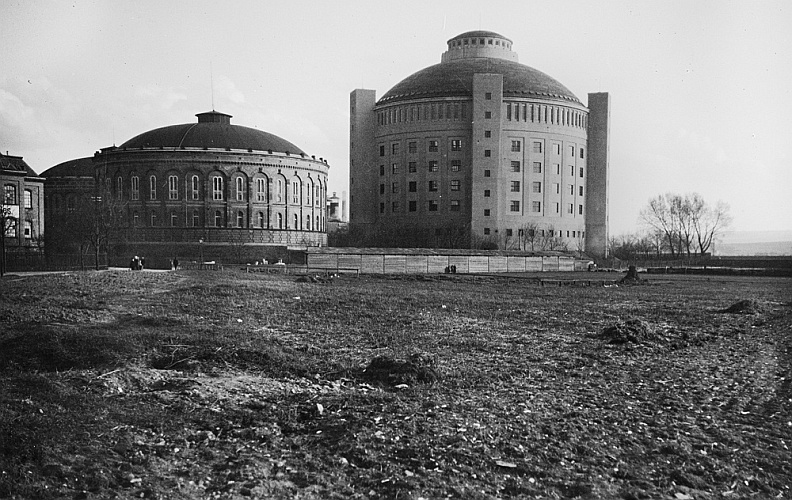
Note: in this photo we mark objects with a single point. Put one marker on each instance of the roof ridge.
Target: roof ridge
(181, 141)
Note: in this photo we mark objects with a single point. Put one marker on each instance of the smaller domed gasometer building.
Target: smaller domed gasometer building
(209, 190)
(483, 149)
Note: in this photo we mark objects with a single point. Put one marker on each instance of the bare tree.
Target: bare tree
(708, 222)
(528, 235)
(658, 216)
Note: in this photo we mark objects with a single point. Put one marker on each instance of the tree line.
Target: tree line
(676, 226)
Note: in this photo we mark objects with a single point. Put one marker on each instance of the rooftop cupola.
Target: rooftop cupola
(475, 44)
(214, 117)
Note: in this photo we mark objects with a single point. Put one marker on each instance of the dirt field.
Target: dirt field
(127, 384)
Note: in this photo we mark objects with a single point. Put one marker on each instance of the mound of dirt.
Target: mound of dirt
(747, 306)
(632, 330)
(390, 371)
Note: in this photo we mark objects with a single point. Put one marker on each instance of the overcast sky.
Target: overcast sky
(701, 91)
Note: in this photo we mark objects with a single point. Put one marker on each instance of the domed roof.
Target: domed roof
(480, 34)
(80, 167)
(455, 79)
(213, 130)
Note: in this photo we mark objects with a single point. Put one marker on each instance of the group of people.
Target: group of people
(137, 263)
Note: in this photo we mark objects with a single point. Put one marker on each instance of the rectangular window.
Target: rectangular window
(536, 187)
(515, 186)
(557, 168)
(488, 96)
(394, 187)
(394, 168)
(135, 188)
(487, 173)
(9, 194)
(581, 172)
(455, 185)
(382, 150)
(433, 166)
(515, 166)
(515, 146)
(508, 111)
(395, 206)
(486, 231)
(486, 193)
(119, 187)
(382, 188)
(413, 206)
(412, 147)
(557, 149)
(571, 151)
(432, 185)
(570, 208)
(433, 205)
(412, 186)
(581, 153)
(454, 205)
(394, 149)
(382, 169)
(412, 167)
(456, 144)
(382, 208)
(557, 188)
(572, 170)
(488, 114)
(487, 153)
(28, 229)
(580, 209)
(536, 206)
(537, 167)
(456, 165)
(488, 134)
(433, 146)
(537, 147)
(515, 206)
(558, 208)
(487, 212)
(28, 198)
(580, 190)
(572, 190)
(509, 233)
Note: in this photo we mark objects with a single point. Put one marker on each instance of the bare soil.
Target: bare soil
(230, 385)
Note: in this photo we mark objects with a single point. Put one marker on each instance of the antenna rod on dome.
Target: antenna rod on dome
(211, 82)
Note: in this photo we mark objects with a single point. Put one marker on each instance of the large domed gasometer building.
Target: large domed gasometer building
(210, 188)
(483, 145)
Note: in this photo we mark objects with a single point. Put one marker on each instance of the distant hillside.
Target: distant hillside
(755, 243)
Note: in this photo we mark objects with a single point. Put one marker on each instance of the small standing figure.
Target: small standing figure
(142, 263)
(133, 263)
(175, 264)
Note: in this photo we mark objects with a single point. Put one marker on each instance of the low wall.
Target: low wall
(384, 263)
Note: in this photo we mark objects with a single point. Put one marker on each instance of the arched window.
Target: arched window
(153, 188)
(196, 218)
(280, 221)
(119, 187)
(217, 188)
(261, 189)
(195, 187)
(29, 197)
(240, 189)
(308, 222)
(295, 192)
(308, 192)
(261, 219)
(240, 219)
(135, 218)
(135, 189)
(174, 219)
(279, 191)
(296, 221)
(153, 219)
(218, 217)
(173, 187)
(317, 227)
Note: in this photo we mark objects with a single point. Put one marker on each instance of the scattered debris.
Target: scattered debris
(632, 330)
(747, 306)
(397, 372)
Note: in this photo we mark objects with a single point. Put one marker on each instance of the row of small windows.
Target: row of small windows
(218, 219)
(540, 113)
(481, 41)
(10, 196)
(311, 194)
(412, 206)
(422, 112)
(536, 207)
(543, 232)
(432, 146)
